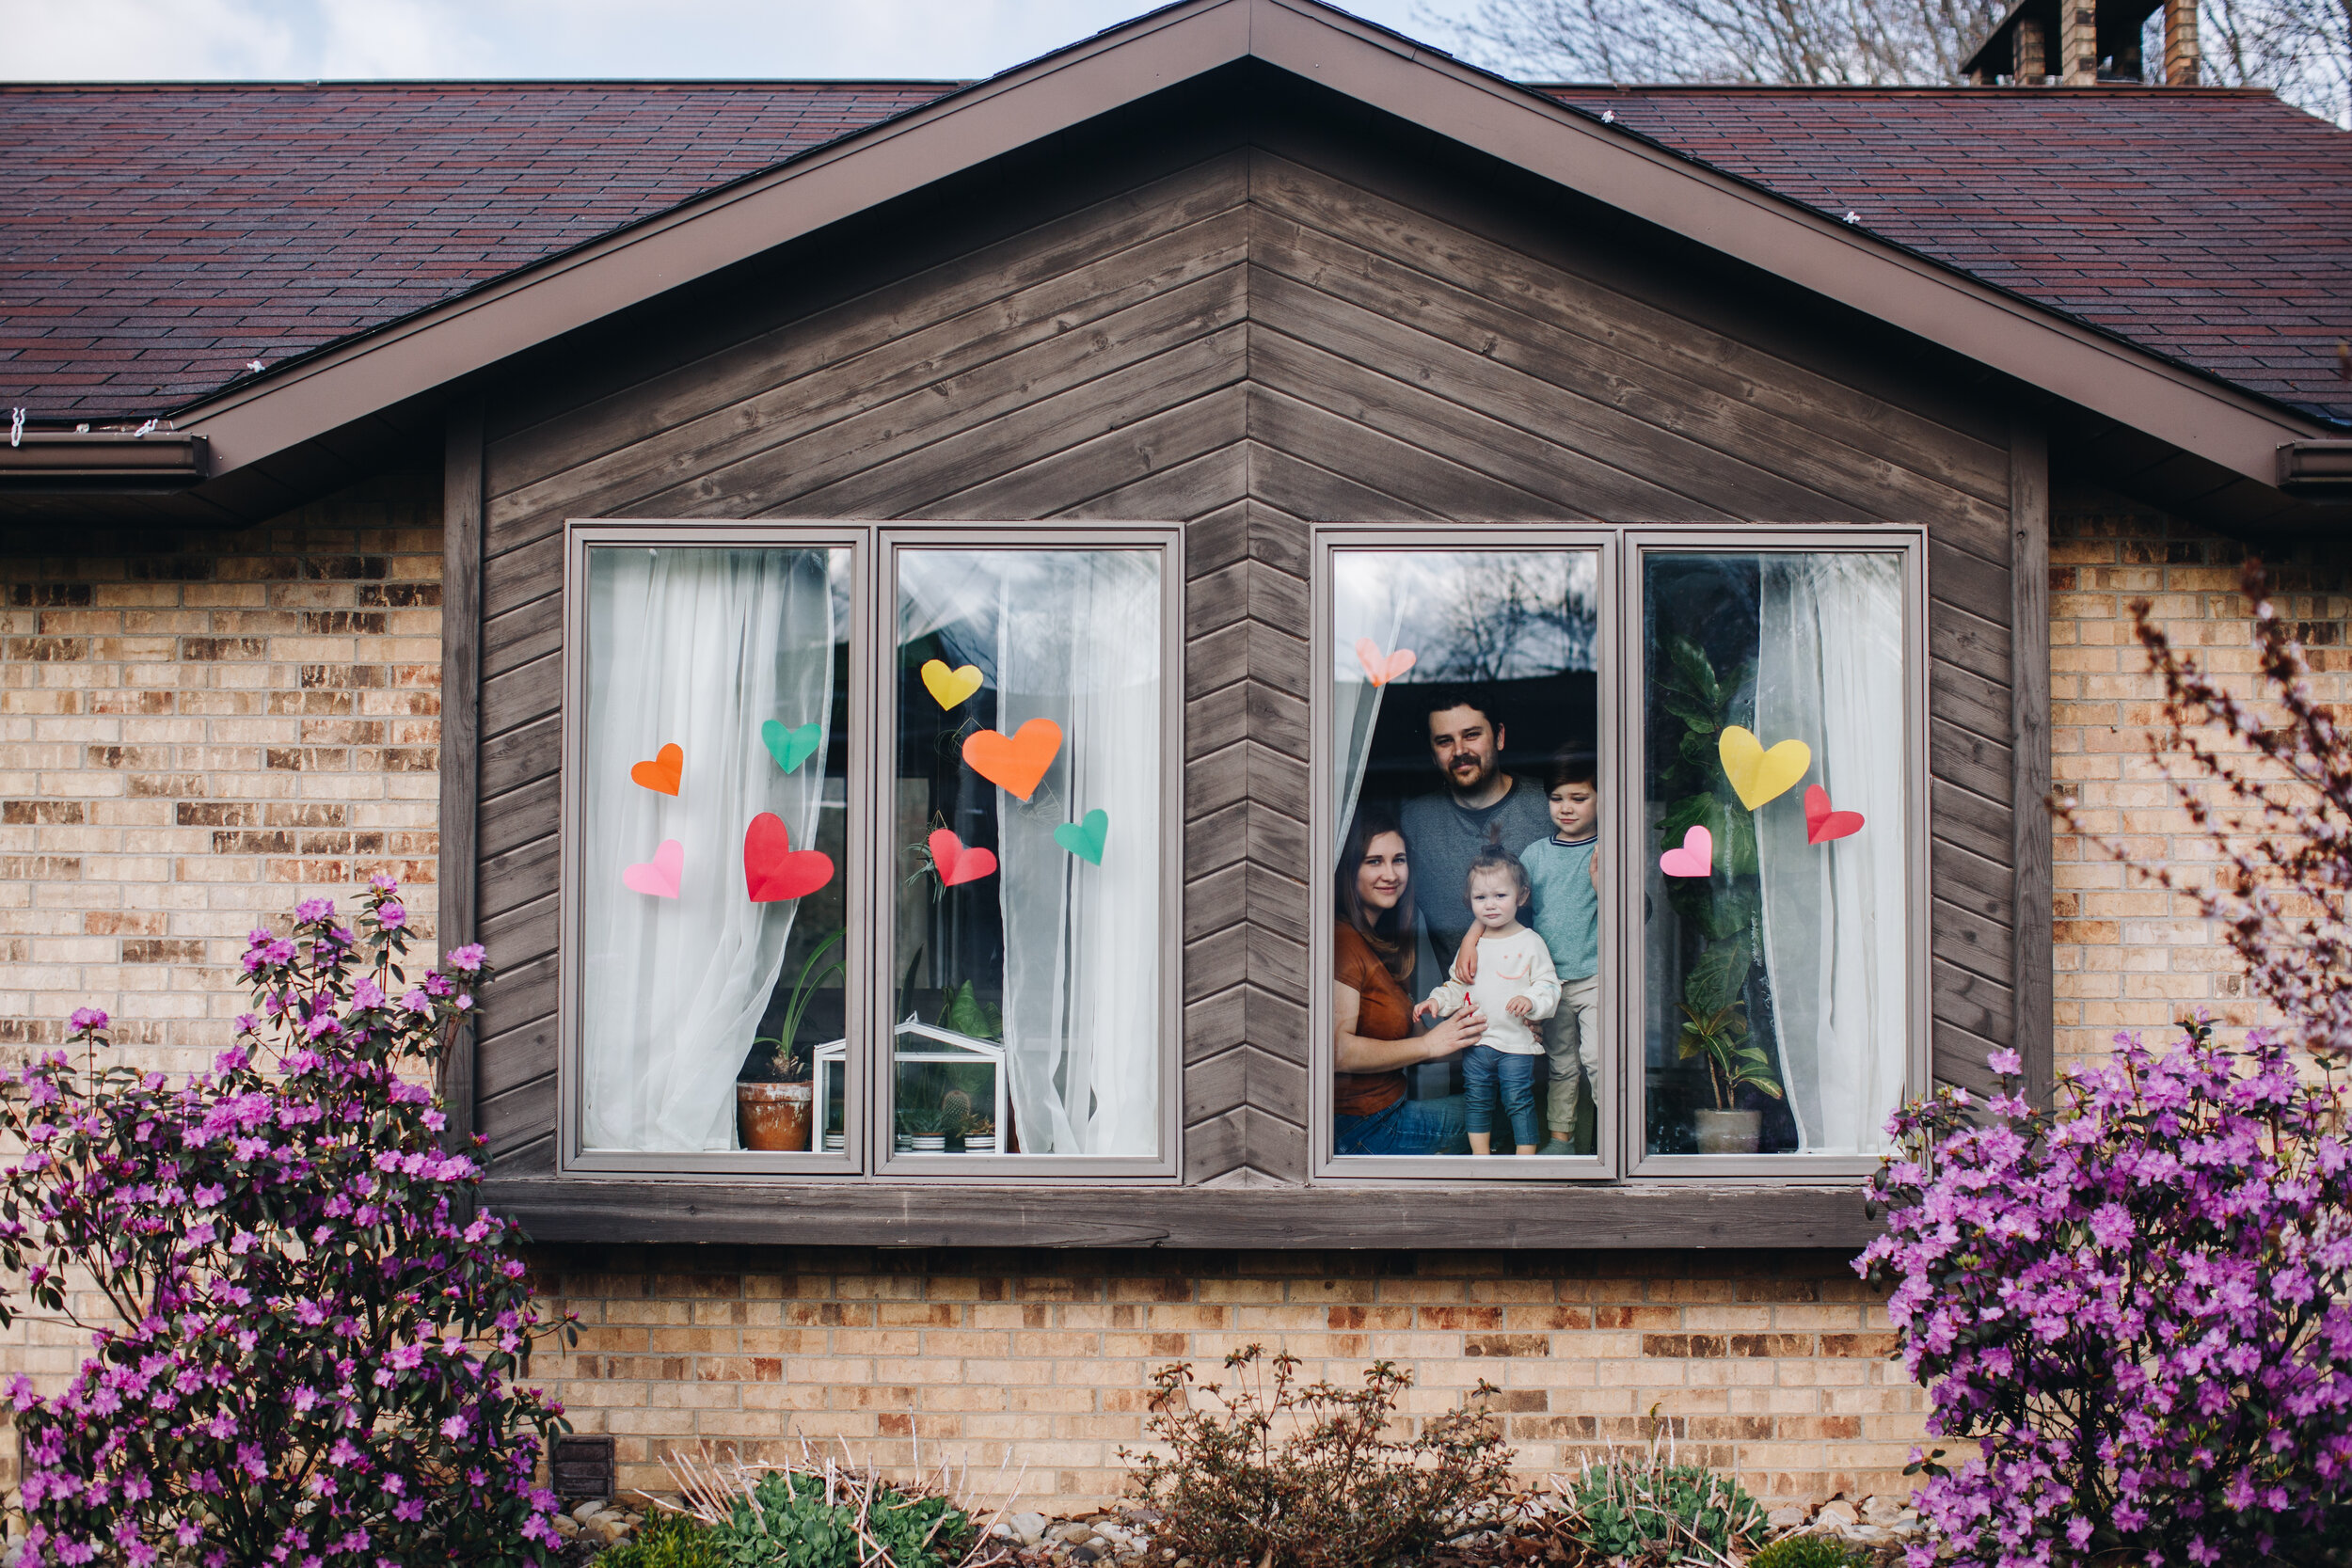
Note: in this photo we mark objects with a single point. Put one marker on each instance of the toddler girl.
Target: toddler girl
(1515, 988)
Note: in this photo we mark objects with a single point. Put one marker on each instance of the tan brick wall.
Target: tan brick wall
(2130, 955)
(196, 731)
(1776, 1367)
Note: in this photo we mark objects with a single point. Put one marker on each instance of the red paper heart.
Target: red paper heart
(957, 864)
(661, 775)
(773, 870)
(1822, 824)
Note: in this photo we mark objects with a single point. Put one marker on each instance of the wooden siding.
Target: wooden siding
(1264, 338)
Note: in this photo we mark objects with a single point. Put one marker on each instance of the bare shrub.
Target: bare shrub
(1277, 1474)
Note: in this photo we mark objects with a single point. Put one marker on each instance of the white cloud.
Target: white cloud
(301, 40)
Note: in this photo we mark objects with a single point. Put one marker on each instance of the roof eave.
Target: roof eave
(1383, 70)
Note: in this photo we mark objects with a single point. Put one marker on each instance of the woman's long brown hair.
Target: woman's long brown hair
(1387, 932)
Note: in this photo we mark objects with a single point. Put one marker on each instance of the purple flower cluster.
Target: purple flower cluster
(2140, 1309)
(315, 1335)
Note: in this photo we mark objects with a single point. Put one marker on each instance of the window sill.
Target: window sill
(1451, 1217)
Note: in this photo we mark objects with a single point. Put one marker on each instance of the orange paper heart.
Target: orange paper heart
(661, 775)
(773, 870)
(1014, 763)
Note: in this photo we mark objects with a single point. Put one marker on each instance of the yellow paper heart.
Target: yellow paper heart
(949, 686)
(1758, 775)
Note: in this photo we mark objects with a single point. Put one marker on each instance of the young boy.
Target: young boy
(1565, 873)
(1515, 988)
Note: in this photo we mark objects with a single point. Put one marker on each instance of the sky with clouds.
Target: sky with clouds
(301, 40)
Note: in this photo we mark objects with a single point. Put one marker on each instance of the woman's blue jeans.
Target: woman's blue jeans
(1408, 1127)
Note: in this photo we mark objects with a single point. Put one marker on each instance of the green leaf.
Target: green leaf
(1721, 973)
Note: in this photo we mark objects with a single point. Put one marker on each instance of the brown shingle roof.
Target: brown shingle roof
(2211, 226)
(154, 239)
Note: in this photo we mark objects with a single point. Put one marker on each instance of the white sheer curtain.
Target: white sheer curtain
(1356, 703)
(1078, 641)
(696, 647)
(1830, 672)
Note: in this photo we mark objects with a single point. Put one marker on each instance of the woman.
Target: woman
(1371, 1007)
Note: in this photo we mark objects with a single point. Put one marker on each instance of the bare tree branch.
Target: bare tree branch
(2300, 49)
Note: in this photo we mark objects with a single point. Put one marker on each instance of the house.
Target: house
(804, 568)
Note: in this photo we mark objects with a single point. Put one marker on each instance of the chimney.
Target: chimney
(2078, 43)
(2033, 53)
(2180, 58)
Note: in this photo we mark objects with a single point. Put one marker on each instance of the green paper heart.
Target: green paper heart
(790, 748)
(1084, 839)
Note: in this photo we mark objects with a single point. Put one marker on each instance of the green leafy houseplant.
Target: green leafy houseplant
(1715, 1030)
(1722, 909)
(805, 990)
(966, 1014)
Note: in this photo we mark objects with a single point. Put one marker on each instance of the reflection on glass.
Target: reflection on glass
(1027, 853)
(716, 751)
(1775, 945)
(1465, 709)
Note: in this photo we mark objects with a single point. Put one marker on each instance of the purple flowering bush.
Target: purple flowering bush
(2137, 1307)
(313, 1336)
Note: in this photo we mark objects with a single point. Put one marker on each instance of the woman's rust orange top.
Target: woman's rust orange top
(1385, 1013)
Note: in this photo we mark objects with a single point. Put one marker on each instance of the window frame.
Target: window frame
(1036, 1170)
(870, 875)
(1910, 543)
(1336, 1169)
(1621, 1151)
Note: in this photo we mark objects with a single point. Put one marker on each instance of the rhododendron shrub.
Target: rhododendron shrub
(2135, 1305)
(314, 1337)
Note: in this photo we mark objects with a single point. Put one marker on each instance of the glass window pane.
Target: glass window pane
(1465, 722)
(714, 786)
(1776, 941)
(1026, 843)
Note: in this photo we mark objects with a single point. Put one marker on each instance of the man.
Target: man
(1479, 805)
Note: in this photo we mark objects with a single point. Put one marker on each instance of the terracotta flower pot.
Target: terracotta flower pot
(774, 1116)
(1728, 1132)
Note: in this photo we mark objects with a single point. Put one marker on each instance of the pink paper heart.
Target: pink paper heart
(1379, 668)
(660, 875)
(1822, 824)
(1696, 857)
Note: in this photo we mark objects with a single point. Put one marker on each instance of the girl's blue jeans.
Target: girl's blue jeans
(1491, 1075)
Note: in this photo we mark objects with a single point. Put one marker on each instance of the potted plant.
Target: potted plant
(979, 1135)
(774, 1102)
(918, 1131)
(1720, 914)
(1715, 1031)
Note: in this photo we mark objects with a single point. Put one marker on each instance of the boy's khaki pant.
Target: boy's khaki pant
(1572, 1044)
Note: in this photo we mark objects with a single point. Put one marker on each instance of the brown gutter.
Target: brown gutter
(51, 461)
(2320, 469)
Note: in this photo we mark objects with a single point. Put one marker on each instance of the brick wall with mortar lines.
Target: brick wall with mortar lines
(197, 730)
(1776, 1367)
(2130, 955)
